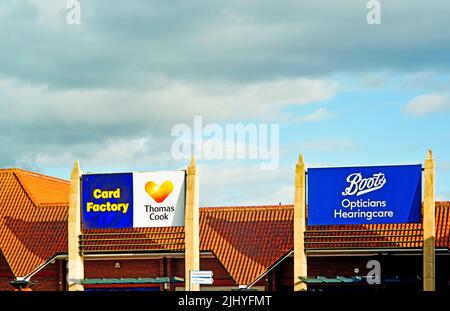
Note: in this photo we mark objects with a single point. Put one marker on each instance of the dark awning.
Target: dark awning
(158, 280)
(337, 279)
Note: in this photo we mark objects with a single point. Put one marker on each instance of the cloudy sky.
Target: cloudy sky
(109, 90)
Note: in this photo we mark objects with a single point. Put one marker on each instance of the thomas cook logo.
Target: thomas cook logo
(159, 193)
(359, 185)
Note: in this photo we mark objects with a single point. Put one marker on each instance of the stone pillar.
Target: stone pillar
(429, 225)
(75, 264)
(300, 263)
(191, 226)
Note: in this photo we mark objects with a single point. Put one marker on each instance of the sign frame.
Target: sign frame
(366, 206)
(204, 277)
(139, 205)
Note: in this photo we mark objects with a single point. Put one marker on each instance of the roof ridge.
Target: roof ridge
(39, 175)
(8, 170)
(25, 188)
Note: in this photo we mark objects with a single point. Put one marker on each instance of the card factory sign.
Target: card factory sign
(364, 195)
(133, 200)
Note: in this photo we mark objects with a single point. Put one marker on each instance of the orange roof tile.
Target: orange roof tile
(247, 240)
(44, 189)
(31, 232)
(377, 235)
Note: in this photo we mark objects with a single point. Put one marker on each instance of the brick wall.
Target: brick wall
(128, 268)
(402, 267)
(51, 278)
(5, 274)
(320, 266)
(162, 267)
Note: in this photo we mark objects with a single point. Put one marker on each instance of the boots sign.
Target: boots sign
(133, 200)
(364, 195)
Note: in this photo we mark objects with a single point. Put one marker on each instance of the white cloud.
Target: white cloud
(51, 14)
(108, 91)
(112, 152)
(53, 127)
(232, 183)
(317, 115)
(425, 80)
(165, 101)
(427, 104)
(219, 40)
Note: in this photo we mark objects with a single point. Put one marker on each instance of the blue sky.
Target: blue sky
(108, 91)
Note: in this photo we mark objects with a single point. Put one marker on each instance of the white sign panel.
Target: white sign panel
(159, 199)
(208, 281)
(201, 274)
(201, 277)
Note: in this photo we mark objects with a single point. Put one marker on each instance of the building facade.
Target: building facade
(245, 247)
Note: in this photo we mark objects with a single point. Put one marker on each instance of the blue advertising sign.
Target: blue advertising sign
(133, 200)
(364, 195)
(107, 200)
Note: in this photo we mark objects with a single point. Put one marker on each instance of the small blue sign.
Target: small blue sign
(107, 200)
(365, 195)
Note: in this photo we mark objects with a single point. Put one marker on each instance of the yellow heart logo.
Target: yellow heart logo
(159, 194)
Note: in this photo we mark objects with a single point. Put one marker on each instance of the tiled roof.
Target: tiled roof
(379, 236)
(44, 189)
(247, 240)
(32, 226)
